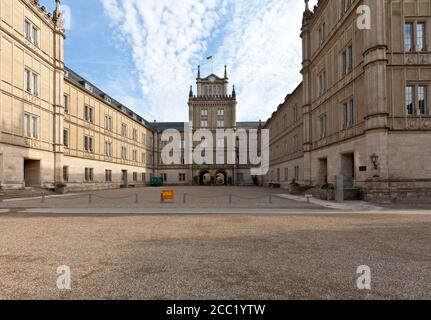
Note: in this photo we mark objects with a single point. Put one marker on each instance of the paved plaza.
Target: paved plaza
(185, 197)
(208, 248)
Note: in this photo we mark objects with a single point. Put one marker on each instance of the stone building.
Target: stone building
(363, 102)
(57, 128)
(212, 108)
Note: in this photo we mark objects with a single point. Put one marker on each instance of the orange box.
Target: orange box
(168, 195)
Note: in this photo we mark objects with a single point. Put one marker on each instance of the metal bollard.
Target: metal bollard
(270, 198)
(136, 198)
(90, 198)
(43, 197)
(185, 198)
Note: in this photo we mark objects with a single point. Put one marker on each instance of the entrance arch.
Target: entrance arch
(221, 178)
(204, 178)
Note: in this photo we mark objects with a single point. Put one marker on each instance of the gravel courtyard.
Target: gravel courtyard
(195, 197)
(215, 256)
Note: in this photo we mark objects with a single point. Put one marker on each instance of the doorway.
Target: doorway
(204, 178)
(124, 177)
(31, 173)
(348, 169)
(323, 171)
(221, 178)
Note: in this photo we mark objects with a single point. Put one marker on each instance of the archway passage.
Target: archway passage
(221, 179)
(204, 178)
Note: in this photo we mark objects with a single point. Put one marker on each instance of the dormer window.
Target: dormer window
(88, 87)
(108, 99)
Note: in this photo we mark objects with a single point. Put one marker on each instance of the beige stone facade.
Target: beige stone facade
(57, 129)
(365, 92)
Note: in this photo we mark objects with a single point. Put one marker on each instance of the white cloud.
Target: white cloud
(259, 40)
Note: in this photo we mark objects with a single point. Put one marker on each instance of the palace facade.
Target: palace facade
(362, 110)
(58, 129)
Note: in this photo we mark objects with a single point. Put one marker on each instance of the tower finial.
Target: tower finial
(191, 92)
(225, 72)
(233, 92)
(199, 72)
(307, 8)
(57, 12)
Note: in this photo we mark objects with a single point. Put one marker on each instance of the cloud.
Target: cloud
(258, 39)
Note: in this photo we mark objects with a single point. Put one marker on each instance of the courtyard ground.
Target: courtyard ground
(289, 250)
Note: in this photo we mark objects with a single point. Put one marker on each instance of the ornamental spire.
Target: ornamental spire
(57, 12)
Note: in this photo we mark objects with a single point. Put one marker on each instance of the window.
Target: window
(27, 130)
(35, 83)
(88, 144)
(323, 124)
(345, 5)
(220, 112)
(35, 36)
(347, 60)
(143, 157)
(322, 83)
(135, 135)
(124, 153)
(135, 155)
(408, 37)
(415, 36)
(295, 113)
(182, 177)
(27, 30)
(108, 99)
(124, 130)
(88, 114)
(296, 173)
(410, 100)
(108, 123)
(66, 173)
(322, 34)
(27, 80)
(204, 124)
(108, 175)
(66, 138)
(66, 103)
(164, 177)
(88, 87)
(420, 37)
(204, 112)
(286, 174)
(135, 177)
(89, 174)
(220, 124)
(220, 143)
(31, 126)
(295, 144)
(108, 148)
(349, 114)
(144, 177)
(422, 100)
(144, 138)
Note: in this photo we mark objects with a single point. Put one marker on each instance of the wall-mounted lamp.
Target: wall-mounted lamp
(375, 160)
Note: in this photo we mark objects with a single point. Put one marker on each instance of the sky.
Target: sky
(145, 53)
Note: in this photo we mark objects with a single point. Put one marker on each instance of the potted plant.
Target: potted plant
(327, 192)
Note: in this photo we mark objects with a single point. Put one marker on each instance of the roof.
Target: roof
(77, 80)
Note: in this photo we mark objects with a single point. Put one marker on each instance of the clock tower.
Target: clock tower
(212, 107)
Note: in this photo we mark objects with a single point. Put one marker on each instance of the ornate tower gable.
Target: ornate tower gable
(212, 106)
